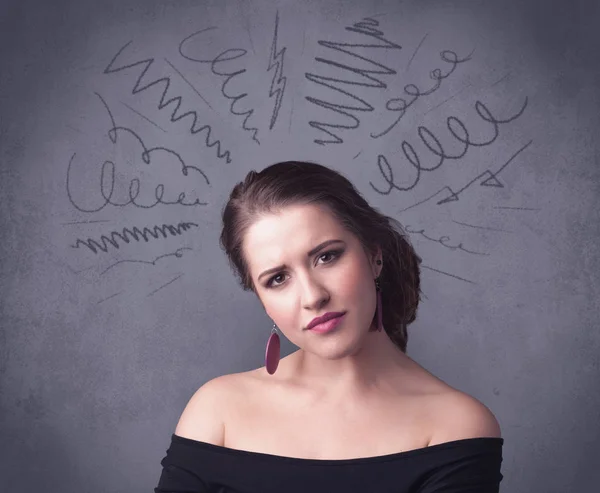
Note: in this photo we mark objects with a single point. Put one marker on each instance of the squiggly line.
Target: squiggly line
(436, 74)
(177, 253)
(491, 180)
(134, 185)
(113, 136)
(137, 88)
(442, 241)
(229, 76)
(364, 27)
(132, 234)
(460, 132)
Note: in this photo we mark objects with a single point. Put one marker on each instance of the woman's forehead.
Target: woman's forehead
(293, 231)
(309, 219)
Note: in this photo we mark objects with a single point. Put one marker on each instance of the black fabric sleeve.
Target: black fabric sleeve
(180, 472)
(474, 470)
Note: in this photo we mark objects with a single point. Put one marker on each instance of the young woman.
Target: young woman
(349, 411)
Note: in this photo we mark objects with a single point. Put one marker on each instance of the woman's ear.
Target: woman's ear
(377, 256)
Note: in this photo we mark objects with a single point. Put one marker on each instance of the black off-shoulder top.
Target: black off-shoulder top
(470, 465)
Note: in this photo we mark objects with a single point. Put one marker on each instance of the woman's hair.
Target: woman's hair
(301, 183)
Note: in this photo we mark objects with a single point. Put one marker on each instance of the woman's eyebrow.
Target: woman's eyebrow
(314, 250)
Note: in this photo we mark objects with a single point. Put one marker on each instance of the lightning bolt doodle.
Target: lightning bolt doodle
(278, 81)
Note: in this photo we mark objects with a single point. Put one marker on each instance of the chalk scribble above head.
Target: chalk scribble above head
(287, 185)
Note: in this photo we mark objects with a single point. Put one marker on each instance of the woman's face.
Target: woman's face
(338, 277)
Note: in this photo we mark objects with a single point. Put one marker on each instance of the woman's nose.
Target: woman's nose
(314, 293)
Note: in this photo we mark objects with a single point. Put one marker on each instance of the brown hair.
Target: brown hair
(299, 183)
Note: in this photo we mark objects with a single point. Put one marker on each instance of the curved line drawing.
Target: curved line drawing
(177, 253)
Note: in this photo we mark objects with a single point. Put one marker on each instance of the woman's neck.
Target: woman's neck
(373, 368)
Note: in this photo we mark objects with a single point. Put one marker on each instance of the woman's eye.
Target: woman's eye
(274, 278)
(333, 253)
(274, 282)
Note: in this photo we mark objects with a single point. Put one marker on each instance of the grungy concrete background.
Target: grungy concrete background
(107, 330)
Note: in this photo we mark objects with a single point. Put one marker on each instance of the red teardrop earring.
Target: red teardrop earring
(273, 351)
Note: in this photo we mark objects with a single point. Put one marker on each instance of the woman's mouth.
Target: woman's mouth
(328, 326)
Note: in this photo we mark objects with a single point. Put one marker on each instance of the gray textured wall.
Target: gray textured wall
(103, 339)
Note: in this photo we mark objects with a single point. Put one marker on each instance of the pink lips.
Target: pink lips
(326, 323)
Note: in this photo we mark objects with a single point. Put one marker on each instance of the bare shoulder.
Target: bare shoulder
(204, 416)
(460, 416)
